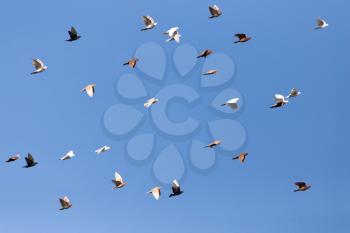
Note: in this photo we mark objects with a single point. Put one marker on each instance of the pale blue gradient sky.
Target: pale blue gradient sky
(46, 115)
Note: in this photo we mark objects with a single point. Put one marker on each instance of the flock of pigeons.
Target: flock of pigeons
(173, 34)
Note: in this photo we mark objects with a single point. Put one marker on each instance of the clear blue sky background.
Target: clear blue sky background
(47, 116)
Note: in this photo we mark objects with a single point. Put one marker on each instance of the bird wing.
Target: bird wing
(73, 31)
(118, 177)
(279, 98)
(147, 20)
(175, 187)
(29, 159)
(300, 184)
(37, 63)
(90, 90)
(213, 10)
(320, 22)
(240, 36)
(155, 192)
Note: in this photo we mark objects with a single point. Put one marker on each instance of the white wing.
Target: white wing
(37, 63)
(176, 183)
(118, 177)
(279, 98)
(233, 101)
(90, 91)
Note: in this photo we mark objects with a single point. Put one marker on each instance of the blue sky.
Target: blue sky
(48, 116)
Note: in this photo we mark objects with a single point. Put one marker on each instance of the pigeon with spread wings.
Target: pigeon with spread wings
(89, 89)
(67, 156)
(73, 34)
(132, 62)
(293, 93)
(12, 158)
(118, 181)
(155, 192)
(241, 157)
(302, 186)
(321, 24)
(214, 11)
(65, 203)
(150, 102)
(30, 161)
(39, 66)
(173, 34)
(176, 189)
(205, 53)
(102, 150)
(149, 22)
(279, 101)
(242, 38)
(213, 144)
(232, 103)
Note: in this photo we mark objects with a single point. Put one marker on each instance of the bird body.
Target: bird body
(118, 181)
(102, 150)
(302, 186)
(73, 34)
(173, 34)
(39, 66)
(214, 11)
(89, 89)
(150, 102)
(213, 144)
(149, 22)
(241, 157)
(67, 156)
(12, 158)
(30, 161)
(232, 103)
(205, 53)
(242, 38)
(155, 192)
(65, 203)
(176, 189)
(279, 101)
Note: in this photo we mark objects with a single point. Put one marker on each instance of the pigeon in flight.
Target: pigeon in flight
(155, 192)
(149, 22)
(211, 72)
(69, 155)
(205, 53)
(173, 34)
(293, 93)
(321, 24)
(65, 203)
(39, 66)
(213, 144)
(279, 101)
(214, 11)
(73, 34)
(242, 38)
(30, 161)
(12, 158)
(176, 189)
(233, 103)
(102, 150)
(89, 89)
(302, 186)
(132, 62)
(118, 181)
(241, 157)
(150, 102)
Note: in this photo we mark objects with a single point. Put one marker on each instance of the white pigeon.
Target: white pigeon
(173, 34)
(214, 11)
(89, 89)
(150, 102)
(149, 22)
(39, 66)
(155, 192)
(293, 93)
(102, 149)
(320, 24)
(279, 101)
(233, 103)
(69, 155)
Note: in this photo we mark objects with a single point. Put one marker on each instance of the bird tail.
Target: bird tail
(126, 63)
(222, 104)
(236, 41)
